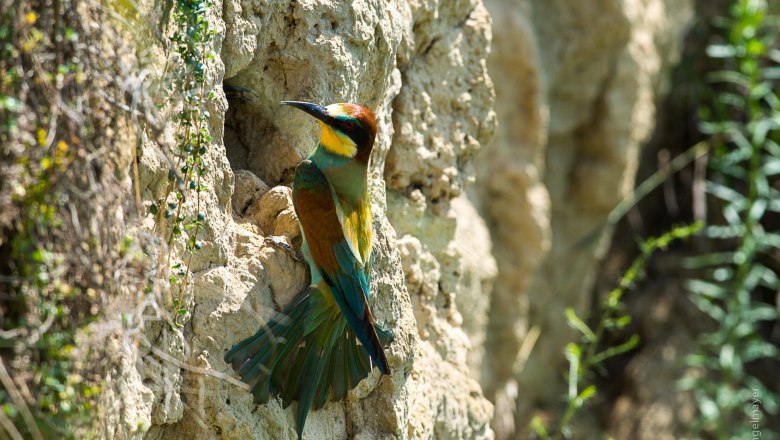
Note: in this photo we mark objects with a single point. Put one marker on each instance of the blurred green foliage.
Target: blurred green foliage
(587, 355)
(62, 250)
(733, 277)
(741, 272)
(41, 312)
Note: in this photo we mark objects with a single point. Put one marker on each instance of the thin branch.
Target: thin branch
(9, 427)
(19, 402)
(647, 186)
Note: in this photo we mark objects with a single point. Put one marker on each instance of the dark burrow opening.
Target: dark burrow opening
(260, 154)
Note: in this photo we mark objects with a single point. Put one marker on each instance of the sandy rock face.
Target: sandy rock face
(422, 68)
(576, 85)
(461, 271)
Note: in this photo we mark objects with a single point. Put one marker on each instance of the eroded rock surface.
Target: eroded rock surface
(576, 85)
(422, 68)
(461, 271)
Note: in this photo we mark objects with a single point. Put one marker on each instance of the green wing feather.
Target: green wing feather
(333, 256)
(306, 353)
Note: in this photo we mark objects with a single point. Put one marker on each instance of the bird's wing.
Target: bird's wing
(328, 245)
(357, 231)
(332, 254)
(306, 353)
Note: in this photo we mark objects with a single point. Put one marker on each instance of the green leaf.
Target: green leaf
(586, 394)
(10, 103)
(9, 410)
(575, 322)
(707, 289)
(687, 383)
(708, 260)
(709, 409)
(537, 426)
(763, 188)
(696, 360)
(772, 147)
(761, 90)
(731, 214)
(774, 205)
(770, 402)
(612, 301)
(722, 274)
(770, 73)
(754, 276)
(728, 361)
(617, 350)
(761, 313)
(773, 101)
(725, 193)
(618, 323)
(741, 141)
(774, 55)
(760, 130)
(758, 209)
(713, 340)
(771, 167)
(706, 306)
(729, 76)
(573, 355)
(573, 351)
(770, 279)
(725, 232)
(758, 349)
(721, 51)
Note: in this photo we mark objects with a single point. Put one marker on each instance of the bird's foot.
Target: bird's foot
(282, 244)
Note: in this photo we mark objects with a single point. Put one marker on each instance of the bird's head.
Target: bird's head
(348, 130)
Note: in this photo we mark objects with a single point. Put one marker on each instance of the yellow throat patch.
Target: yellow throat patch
(337, 142)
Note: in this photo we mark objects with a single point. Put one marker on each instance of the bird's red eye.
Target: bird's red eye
(349, 125)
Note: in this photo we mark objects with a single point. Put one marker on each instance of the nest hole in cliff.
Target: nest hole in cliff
(252, 140)
(260, 156)
(263, 161)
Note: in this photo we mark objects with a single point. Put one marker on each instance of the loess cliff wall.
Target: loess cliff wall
(488, 170)
(422, 68)
(577, 87)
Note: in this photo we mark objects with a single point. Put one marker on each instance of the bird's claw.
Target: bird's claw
(281, 243)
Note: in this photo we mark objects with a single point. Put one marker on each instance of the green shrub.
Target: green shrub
(743, 114)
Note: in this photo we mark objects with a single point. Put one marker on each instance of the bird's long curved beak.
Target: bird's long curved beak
(315, 110)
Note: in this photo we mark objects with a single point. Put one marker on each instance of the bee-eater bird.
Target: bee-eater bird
(309, 352)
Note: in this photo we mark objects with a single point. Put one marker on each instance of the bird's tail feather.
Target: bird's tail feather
(307, 353)
(373, 342)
